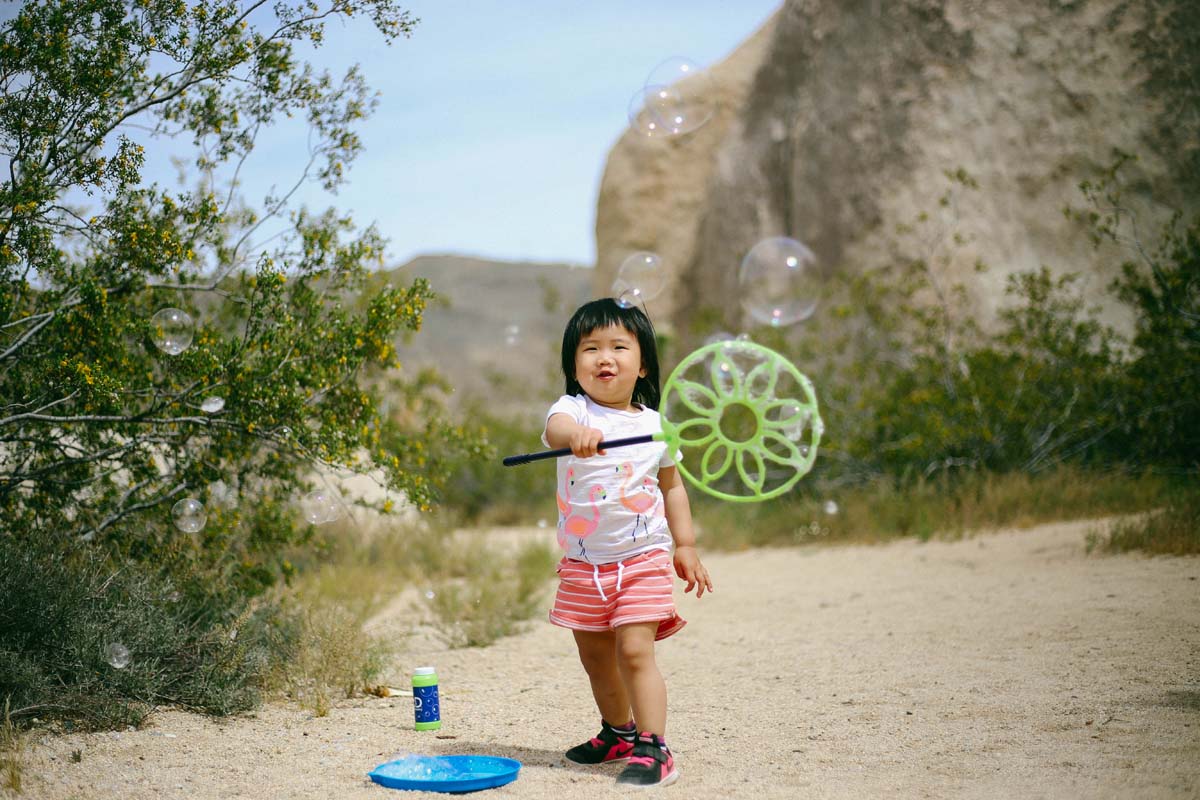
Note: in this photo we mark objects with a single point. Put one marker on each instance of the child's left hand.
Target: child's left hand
(689, 568)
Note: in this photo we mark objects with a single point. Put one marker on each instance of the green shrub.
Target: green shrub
(59, 614)
(484, 492)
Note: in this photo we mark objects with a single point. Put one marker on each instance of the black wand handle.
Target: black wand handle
(525, 458)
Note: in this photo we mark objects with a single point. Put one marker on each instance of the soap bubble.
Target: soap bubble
(676, 98)
(541, 523)
(117, 655)
(172, 330)
(831, 507)
(321, 506)
(512, 335)
(212, 405)
(189, 515)
(778, 281)
(640, 278)
(429, 594)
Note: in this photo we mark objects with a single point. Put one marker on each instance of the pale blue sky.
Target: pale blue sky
(495, 118)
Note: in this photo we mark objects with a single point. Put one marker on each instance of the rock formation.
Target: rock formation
(840, 121)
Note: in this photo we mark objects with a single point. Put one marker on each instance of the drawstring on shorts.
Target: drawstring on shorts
(596, 578)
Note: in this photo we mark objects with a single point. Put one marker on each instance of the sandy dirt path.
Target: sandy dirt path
(1009, 664)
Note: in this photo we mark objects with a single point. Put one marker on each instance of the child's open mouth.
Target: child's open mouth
(605, 375)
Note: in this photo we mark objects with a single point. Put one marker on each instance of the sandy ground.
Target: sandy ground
(1009, 664)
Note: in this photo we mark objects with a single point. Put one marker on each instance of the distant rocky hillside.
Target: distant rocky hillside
(498, 329)
(839, 121)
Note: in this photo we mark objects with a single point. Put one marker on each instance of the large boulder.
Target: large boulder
(945, 130)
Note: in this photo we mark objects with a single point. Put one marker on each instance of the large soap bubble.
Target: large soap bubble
(189, 515)
(640, 278)
(778, 281)
(172, 330)
(677, 97)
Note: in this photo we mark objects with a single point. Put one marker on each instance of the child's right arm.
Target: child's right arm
(562, 431)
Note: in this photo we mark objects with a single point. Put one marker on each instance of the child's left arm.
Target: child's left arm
(679, 520)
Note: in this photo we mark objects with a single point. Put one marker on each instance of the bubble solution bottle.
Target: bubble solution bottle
(426, 705)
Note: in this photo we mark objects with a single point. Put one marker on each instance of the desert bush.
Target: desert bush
(60, 613)
(1173, 528)
(105, 425)
(484, 492)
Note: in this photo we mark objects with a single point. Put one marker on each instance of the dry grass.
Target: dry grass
(1172, 530)
(12, 754)
(881, 511)
(480, 593)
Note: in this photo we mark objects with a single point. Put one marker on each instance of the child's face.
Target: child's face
(608, 362)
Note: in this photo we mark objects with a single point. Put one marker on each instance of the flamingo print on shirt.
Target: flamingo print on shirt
(580, 526)
(641, 502)
(564, 499)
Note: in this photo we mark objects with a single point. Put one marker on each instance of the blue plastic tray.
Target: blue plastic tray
(446, 773)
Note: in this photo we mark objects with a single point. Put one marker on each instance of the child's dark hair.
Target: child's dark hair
(601, 314)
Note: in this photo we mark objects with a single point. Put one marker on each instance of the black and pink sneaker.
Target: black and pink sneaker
(611, 744)
(650, 764)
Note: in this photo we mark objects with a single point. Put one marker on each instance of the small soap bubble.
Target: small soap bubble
(542, 523)
(831, 507)
(189, 515)
(640, 278)
(430, 594)
(512, 335)
(212, 405)
(317, 506)
(172, 330)
(676, 98)
(657, 111)
(778, 282)
(117, 655)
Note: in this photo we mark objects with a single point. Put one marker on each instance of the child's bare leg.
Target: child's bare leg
(598, 652)
(642, 678)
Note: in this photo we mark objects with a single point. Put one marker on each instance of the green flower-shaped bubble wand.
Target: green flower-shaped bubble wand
(740, 419)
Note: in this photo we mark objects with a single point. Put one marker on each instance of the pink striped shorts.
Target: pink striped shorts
(600, 597)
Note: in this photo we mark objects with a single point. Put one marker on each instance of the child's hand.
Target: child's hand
(689, 568)
(585, 442)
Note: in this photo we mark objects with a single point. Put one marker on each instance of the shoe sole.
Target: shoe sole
(620, 760)
(667, 781)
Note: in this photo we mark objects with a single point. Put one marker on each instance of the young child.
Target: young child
(620, 511)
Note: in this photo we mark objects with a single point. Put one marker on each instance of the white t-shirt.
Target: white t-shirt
(609, 506)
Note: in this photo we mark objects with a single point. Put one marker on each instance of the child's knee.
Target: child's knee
(635, 652)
